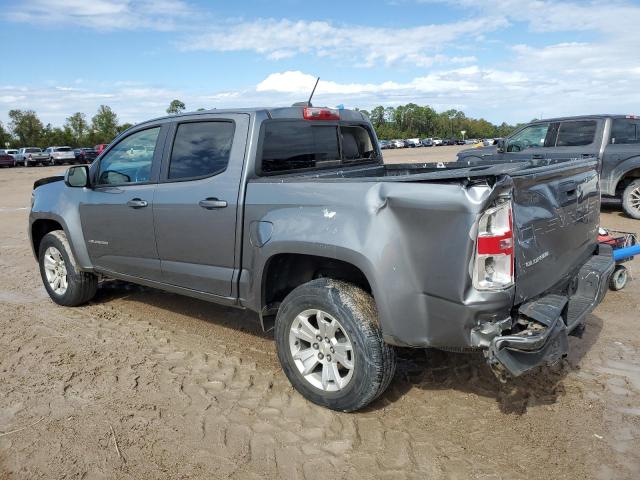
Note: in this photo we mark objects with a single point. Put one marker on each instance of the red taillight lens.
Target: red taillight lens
(317, 113)
(494, 262)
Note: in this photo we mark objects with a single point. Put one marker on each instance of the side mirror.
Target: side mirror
(77, 176)
(501, 144)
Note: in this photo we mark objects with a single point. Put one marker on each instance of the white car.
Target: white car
(398, 143)
(9, 151)
(59, 155)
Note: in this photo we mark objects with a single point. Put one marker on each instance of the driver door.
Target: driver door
(528, 143)
(117, 216)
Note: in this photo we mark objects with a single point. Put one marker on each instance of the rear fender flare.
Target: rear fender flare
(619, 172)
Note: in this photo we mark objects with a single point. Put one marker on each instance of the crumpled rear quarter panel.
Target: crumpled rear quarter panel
(413, 241)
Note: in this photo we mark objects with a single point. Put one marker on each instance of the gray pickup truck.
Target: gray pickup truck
(613, 139)
(291, 213)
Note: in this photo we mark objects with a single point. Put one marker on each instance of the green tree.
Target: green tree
(26, 126)
(104, 125)
(5, 136)
(124, 126)
(175, 107)
(77, 124)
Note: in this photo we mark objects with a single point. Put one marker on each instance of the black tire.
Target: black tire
(26, 162)
(82, 286)
(619, 278)
(374, 361)
(631, 199)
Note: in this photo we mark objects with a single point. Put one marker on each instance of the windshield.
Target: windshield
(32, 150)
(62, 149)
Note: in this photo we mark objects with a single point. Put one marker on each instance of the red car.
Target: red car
(100, 147)
(7, 160)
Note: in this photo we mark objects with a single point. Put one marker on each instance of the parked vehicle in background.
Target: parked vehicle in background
(427, 142)
(100, 147)
(613, 139)
(28, 156)
(263, 210)
(414, 142)
(85, 154)
(6, 160)
(10, 151)
(437, 142)
(449, 141)
(460, 142)
(398, 143)
(60, 155)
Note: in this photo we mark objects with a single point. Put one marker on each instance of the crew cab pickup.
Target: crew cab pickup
(613, 139)
(292, 213)
(29, 156)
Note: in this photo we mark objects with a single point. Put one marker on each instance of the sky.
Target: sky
(503, 60)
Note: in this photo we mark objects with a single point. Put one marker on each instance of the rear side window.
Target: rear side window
(291, 146)
(200, 149)
(576, 133)
(625, 131)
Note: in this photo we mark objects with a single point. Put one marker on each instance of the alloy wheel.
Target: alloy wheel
(322, 350)
(55, 270)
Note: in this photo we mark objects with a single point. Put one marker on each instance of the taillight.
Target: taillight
(320, 113)
(494, 262)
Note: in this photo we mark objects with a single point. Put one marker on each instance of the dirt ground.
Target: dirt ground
(141, 384)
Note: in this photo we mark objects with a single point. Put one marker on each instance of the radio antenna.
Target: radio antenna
(313, 91)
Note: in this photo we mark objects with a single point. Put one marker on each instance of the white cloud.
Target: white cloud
(368, 46)
(102, 14)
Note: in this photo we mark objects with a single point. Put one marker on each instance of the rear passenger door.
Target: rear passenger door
(574, 139)
(622, 152)
(196, 202)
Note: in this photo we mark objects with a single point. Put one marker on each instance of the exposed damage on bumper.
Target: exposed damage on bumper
(539, 333)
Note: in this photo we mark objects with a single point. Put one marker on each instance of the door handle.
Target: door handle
(211, 203)
(137, 203)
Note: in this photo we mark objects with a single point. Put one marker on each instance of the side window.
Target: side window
(532, 136)
(576, 133)
(298, 145)
(356, 143)
(129, 161)
(625, 131)
(200, 149)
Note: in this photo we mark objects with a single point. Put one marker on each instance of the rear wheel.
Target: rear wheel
(330, 346)
(25, 162)
(631, 199)
(65, 284)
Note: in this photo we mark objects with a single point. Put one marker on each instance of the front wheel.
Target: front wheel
(330, 345)
(65, 284)
(631, 199)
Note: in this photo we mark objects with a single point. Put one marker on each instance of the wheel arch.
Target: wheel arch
(624, 173)
(284, 271)
(39, 228)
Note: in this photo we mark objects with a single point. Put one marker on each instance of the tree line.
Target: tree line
(27, 130)
(404, 121)
(411, 120)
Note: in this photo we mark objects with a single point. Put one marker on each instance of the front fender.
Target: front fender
(55, 201)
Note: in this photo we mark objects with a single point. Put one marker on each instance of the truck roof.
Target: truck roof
(580, 117)
(294, 113)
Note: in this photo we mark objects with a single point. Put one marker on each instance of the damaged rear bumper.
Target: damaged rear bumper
(548, 320)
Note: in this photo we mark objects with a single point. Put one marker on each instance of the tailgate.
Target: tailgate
(556, 212)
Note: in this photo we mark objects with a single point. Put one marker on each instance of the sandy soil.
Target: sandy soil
(142, 384)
